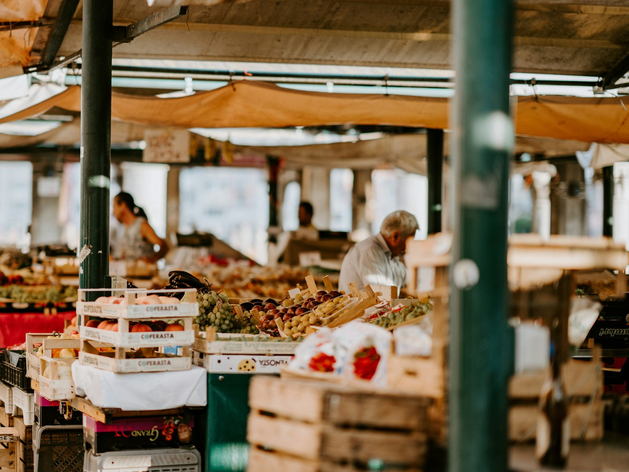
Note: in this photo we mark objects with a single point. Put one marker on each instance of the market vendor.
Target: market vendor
(136, 240)
(306, 229)
(378, 260)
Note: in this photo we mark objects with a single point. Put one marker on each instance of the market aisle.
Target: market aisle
(610, 455)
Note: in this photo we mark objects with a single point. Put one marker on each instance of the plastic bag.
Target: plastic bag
(583, 314)
(412, 340)
(317, 352)
(365, 349)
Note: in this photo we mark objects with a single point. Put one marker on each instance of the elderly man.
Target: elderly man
(378, 260)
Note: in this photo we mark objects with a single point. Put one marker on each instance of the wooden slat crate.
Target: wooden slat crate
(583, 382)
(5, 419)
(320, 426)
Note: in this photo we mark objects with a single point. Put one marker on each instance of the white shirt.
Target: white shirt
(371, 262)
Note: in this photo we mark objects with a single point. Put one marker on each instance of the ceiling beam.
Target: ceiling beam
(128, 33)
(617, 72)
(391, 36)
(64, 18)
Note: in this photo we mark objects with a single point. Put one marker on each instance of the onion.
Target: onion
(169, 300)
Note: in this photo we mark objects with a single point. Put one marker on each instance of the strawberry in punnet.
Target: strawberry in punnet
(366, 363)
(322, 362)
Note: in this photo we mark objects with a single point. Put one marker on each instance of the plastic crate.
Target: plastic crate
(58, 449)
(156, 460)
(25, 402)
(6, 397)
(14, 370)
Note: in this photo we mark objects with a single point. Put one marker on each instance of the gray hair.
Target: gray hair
(401, 221)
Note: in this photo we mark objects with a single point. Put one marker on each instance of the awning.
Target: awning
(255, 104)
(16, 45)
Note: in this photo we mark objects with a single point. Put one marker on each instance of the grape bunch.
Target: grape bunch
(215, 311)
(410, 312)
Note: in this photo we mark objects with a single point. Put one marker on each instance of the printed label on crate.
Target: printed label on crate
(56, 389)
(246, 347)
(216, 363)
(136, 365)
(141, 339)
(139, 311)
(138, 433)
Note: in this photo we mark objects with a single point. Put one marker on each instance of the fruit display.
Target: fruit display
(297, 314)
(403, 314)
(38, 294)
(140, 327)
(215, 311)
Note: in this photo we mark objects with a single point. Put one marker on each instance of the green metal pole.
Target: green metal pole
(608, 201)
(95, 143)
(481, 343)
(435, 178)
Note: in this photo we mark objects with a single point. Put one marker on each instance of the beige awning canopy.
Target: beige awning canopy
(254, 104)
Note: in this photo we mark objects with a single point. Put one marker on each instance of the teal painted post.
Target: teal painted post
(481, 343)
(95, 143)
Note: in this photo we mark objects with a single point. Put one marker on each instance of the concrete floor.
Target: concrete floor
(610, 455)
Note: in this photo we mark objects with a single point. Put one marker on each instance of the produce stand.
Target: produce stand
(534, 265)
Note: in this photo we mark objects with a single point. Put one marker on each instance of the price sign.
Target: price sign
(310, 258)
(167, 145)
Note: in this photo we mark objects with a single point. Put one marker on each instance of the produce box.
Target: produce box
(14, 369)
(240, 364)
(51, 346)
(209, 342)
(55, 381)
(163, 304)
(127, 339)
(47, 413)
(314, 426)
(122, 361)
(138, 433)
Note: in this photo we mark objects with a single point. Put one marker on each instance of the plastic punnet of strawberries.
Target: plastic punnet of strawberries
(366, 362)
(322, 362)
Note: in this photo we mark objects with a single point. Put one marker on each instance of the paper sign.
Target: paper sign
(311, 258)
(118, 268)
(425, 279)
(167, 145)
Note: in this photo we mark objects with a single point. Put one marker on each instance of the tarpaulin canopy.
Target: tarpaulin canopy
(255, 104)
(16, 45)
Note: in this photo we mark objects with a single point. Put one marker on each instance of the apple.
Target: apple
(334, 294)
(92, 324)
(286, 317)
(140, 328)
(269, 306)
(300, 311)
(102, 300)
(103, 324)
(174, 327)
(325, 298)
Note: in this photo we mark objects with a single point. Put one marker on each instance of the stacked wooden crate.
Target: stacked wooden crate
(312, 426)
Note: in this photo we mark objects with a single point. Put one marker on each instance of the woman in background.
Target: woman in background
(136, 240)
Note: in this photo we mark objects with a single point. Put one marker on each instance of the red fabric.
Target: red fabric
(14, 326)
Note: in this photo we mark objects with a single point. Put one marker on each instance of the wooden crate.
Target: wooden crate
(24, 446)
(137, 361)
(335, 424)
(583, 382)
(6, 420)
(8, 450)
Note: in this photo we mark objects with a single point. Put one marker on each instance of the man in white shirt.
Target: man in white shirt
(378, 260)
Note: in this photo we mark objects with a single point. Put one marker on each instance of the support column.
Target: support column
(172, 203)
(481, 343)
(435, 179)
(621, 205)
(45, 224)
(315, 188)
(360, 223)
(274, 211)
(608, 201)
(95, 143)
(541, 224)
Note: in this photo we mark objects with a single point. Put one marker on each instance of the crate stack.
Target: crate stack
(15, 386)
(56, 437)
(313, 426)
(125, 336)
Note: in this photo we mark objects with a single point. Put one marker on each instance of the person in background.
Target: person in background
(378, 260)
(306, 229)
(136, 240)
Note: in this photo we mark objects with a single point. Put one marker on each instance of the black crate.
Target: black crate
(14, 370)
(59, 449)
(50, 416)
